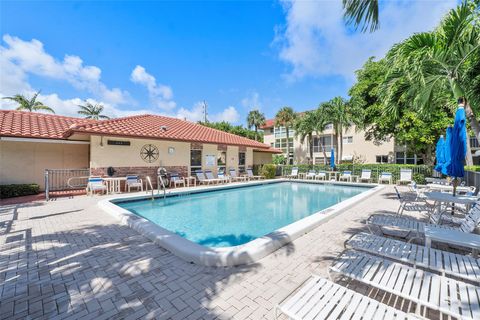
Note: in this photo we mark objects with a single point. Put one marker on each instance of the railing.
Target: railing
(149, 183)
(161, 184)
(65, 179)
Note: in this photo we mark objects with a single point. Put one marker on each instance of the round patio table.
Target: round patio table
(448, 188)
(442, 197)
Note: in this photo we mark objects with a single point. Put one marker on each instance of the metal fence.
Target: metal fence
(472, 179)
(65, 179)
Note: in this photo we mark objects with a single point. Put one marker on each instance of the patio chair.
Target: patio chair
(235, 177)
(176, 180)
(405, 176)
(250, 175)
(293, 174)
(365, 176)
(412, 225)
(96, 184)
(209, 175)
(385, 177)
(133, 181)
(321, 175)
(201, 177)
(345, 176)
(322, 299)
(311, 175)
(448, 296)
(417, 255)
(412, 202)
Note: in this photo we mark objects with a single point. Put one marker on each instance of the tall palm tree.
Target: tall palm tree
(429, 64)
(92, 111)
(362, 13)
(285, 117)
(256, 119)
(308, 124)
(322, 119)
(342, 115)
(29, 104)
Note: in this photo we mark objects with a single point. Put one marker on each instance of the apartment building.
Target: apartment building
(355, 147)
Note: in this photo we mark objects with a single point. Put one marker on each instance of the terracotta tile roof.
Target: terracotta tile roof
(269, 150)
(25, 124)
(269, 123)
(165, 128)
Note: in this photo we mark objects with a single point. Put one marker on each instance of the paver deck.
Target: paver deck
(69, 259)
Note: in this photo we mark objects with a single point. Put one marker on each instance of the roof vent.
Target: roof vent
(163, 128)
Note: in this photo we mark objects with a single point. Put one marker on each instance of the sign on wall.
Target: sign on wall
(149, 153)
(118, 143)
(210, 160)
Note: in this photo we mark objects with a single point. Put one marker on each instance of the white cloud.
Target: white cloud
(252, 101)
(20, 58)
(315, 41)
(161, 95)
(229, 114)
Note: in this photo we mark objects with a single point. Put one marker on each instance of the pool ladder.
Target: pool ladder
(147, 184)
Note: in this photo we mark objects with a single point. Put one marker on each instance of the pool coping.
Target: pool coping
(247, 253)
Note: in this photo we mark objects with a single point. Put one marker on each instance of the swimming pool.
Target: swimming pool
(232, 217)
(236, 223)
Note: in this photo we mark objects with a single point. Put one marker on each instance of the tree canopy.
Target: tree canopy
(31, 104)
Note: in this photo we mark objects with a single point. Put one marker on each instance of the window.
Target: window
(195, 160)
(405, 158)
(348, 140)
(282, 144)
(272, 130)
(272, 144)
(382, 159)
(281, 132)
(221, 160)
(326, 141)
(320, 160)
(329, 126)
(241, 161)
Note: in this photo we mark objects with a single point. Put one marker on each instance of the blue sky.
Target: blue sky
(166, 57)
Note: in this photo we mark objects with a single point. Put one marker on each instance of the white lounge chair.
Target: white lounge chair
(311, 175)
(461, 266)
(176, 180)
(201, 178)
(211, 177)
(293, 174)
(345, 176)
(449, 296)
(133, 181)
(408, 224)
(322, 299)
(321, 175)
(385, 177)
(405, 176)
(250, 175)
(365, 176)
(235, 177)
(96, 184)
(221, 175)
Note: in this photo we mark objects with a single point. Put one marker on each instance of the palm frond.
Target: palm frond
(362, 13)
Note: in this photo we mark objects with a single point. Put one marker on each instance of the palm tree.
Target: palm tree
(256, 119)
(92, 111)
(29, 104)
(285, 117)
(362, 13)
(321, 116)
(306, 125)
(437, 65)
(342, 115)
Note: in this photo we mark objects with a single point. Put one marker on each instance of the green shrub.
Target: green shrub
(268, 171)
(419, 178)
(472, 168)
(17, 190)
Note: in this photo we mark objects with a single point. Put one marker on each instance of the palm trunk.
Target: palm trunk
(473, 121)
(255, 132)
(468, 157)
(310, 141)
(340, 149)
(288, 146)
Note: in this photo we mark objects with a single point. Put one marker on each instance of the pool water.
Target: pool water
(234, 216)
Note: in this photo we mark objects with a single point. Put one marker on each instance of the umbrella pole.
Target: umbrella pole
(455, 181)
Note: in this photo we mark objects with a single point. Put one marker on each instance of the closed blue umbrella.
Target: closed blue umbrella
(447, 154)
(458, 145)
(332, 158)
(440, 154)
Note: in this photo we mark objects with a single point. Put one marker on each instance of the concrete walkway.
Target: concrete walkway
(69, 259)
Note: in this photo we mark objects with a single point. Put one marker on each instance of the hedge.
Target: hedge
(419, 171)
(17, 190)
(268, 171)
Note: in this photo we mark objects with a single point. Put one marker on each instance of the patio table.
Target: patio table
(443, 187)
(459, 238)
(113, 184)
(442, 197)
(188, 180)
(334, 173)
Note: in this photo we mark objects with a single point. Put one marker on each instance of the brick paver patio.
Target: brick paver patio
(69, 259)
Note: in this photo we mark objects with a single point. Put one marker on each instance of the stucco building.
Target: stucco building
(355, 147)
(32, 142)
